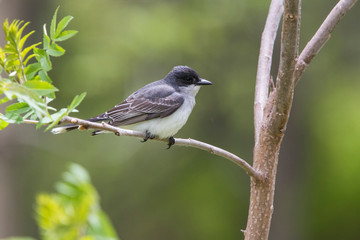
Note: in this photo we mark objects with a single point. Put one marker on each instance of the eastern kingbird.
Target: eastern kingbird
(159, 109)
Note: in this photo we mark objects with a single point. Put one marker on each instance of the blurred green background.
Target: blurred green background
(183, 193)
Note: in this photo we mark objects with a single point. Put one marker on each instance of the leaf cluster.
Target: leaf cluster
(25, 69)
(74, 211)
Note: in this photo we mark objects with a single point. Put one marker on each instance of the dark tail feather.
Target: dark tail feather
(70, 127)
(96, 132)
(64, 129)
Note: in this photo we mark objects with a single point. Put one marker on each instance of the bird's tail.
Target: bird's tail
(64, 129)
(70, 127)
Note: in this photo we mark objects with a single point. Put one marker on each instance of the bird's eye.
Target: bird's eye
(189, 80)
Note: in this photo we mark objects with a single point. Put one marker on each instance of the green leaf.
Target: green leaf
(42, 88)
(3, 100)
(100, 226)
(53, 24)
(28, 58)
(2, 57)
(73, 212)
(44, 76)
(65, 35)
(33, 116)
(18, 33)
(14, 111)
(43, 59)
(24, 94)
(76, 101)
(23, 40)
(29, 113)
(18, 108)
(26, 50)
(11, 32)
(3, 124)
(31, 70)
(14, 117)
(55, 117)
(6, 26)
(62, 25)
(77, 175)
(39, 124)
(46, 39)
(55, 50)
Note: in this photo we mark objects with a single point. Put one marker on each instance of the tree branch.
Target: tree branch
(323, 34)
(271, 133)
(178, 141)
(264, 64)
(288, 54)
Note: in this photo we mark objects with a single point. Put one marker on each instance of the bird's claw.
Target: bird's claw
(171, 142)
(148, 136)
(151, 136)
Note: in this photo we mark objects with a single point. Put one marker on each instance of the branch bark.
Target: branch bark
(178, 142)
(272, 112)
(321, 36)
(276, 115)
(264, 64)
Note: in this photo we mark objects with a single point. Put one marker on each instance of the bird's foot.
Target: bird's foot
(171, 142)
(148, 136)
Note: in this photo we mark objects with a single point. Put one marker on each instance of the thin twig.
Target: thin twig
(178, 141)
(264, 64)
(31, 121)
(220, 152)
(323, 34)
(21, 64)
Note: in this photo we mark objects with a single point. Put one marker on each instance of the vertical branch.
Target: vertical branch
(264, 64)
(272, 112)
(288, 56)
(272, 129)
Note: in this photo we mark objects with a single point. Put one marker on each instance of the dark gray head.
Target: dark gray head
(185, 76)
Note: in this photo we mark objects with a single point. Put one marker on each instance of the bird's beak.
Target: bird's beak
(204, 82)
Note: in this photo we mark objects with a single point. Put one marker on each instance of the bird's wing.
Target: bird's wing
(145, 105)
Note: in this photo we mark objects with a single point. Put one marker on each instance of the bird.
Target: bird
(159, 109)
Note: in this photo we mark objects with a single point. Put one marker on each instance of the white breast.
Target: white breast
(170, 125)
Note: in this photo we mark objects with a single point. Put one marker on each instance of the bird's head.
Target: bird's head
(184, 76)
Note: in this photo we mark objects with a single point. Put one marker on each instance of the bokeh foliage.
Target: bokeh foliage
(74, 211)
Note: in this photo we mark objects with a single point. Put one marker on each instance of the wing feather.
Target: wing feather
(143, 105)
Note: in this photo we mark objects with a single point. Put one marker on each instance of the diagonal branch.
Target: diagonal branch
(264, 64)
(321, 36)
(178, 141)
